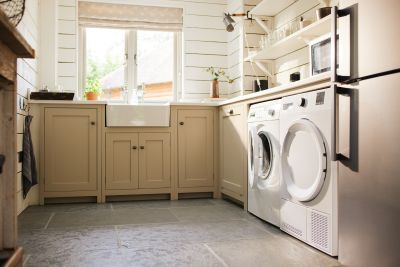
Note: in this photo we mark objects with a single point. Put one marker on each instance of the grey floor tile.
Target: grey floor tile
(109, 217)
(271, 252)
(162, 203)
(67, 207)
(34, 220)
(54, 243)
(94, 258)
(203, 232)
(132, 236)
(207, 214)
(192, 255)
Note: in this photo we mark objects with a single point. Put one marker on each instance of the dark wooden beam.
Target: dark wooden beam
(10, 36)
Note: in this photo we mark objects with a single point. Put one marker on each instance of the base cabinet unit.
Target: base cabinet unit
(137, 161)
(233, 157)
(69, 157)
(154, 160)
(122, 161)
(195, 148)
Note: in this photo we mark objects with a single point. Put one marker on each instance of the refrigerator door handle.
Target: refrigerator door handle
(341, 59)
(341, 145)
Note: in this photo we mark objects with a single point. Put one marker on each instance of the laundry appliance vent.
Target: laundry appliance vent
(320, 230)
(293, 230)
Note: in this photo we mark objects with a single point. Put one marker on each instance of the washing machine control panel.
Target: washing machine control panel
(314, 100)
(265, 111)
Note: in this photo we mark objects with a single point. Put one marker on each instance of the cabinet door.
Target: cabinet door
(122, 161)
(70, 149)
(233, 156)
(195, 148)
(154, 160)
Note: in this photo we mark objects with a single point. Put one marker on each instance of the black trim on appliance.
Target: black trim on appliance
(371, 76)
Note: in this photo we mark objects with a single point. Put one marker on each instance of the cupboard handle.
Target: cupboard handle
(93, 123)
(134, 147)
(181, 123)
(141, 147)
(231, 112)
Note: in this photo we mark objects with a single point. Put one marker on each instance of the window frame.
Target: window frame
(131, 65)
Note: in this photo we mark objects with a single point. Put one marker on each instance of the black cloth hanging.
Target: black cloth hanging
(29, 171)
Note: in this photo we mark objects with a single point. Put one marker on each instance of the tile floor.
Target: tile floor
(203, 232)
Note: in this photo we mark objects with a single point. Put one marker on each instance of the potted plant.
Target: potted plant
(92, 90)
(216, 74)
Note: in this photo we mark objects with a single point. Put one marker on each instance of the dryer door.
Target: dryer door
(304, 160)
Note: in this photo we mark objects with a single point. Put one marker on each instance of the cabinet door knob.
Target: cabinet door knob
(181, 123)
(134, 147)
(231, 112)
(93, 123)
(141, 147)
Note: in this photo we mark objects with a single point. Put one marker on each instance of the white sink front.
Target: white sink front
(138, 115)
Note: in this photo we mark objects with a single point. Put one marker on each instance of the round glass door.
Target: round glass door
(303, 160)
(266, 156)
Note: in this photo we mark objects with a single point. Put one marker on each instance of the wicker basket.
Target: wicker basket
(14, 9)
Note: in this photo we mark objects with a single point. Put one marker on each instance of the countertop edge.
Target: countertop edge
(275, 90)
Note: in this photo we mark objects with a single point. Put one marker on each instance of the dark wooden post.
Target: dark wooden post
(12, 46)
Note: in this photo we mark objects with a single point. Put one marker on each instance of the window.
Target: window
(121, 61)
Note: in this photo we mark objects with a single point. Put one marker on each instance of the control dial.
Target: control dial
(301, 102)
(271, 112)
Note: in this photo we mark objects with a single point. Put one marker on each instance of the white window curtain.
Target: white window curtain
(124, 16)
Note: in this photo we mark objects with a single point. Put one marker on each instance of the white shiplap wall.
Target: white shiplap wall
(204, 43)
(27, 80)
(67, 48)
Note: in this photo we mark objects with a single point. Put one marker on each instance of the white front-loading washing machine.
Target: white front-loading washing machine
(309, 172)
(264, 176)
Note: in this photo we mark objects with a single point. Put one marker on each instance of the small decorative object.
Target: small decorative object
(294, 77)
(325, 10)
(14, 10)
(93, 89)
(216, 74)
(304, 23)
(260, 85)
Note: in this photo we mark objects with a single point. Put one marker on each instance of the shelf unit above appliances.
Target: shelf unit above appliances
(294, 41)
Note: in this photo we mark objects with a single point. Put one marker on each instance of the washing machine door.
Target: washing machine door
(252, 162)
(304, 160)
(265, 155)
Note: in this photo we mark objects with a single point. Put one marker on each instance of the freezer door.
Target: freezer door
(369, 181)
(375, 35)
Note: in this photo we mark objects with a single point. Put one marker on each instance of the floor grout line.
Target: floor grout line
(216, 255)
(26, 259)
(48, 221)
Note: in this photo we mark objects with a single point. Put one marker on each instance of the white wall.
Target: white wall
(204, 38)
(27, 79)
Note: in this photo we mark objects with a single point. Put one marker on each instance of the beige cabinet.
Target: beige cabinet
(233, 151)
(195, 148)
(154, 160)
(70, 149)
(122, 153)
(138, 161)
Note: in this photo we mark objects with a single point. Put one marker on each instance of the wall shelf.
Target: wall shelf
(294, 41)
(270, 7)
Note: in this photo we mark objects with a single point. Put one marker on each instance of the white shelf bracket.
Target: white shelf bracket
(262, 24)
(263, 66)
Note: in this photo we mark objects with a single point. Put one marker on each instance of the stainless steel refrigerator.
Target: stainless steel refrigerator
(368, 135)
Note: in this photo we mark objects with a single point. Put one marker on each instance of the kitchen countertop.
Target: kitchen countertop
(207, 102)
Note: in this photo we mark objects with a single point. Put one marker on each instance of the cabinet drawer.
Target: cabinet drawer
(233, 110)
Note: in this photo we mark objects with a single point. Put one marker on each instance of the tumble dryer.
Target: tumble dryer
(264, 176)
(309, 172)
